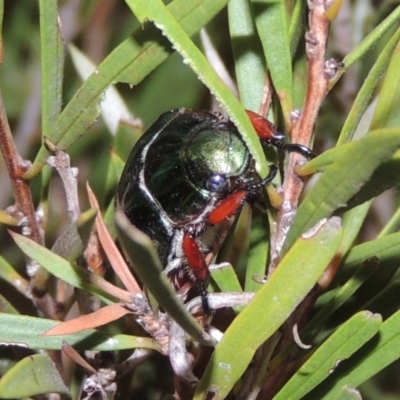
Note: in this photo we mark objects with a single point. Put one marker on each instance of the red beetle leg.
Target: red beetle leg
(227, 207)
(265, 129)
(198, 267)
(267, 132)
(195, 258)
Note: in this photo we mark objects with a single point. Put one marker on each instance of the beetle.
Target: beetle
(184, 181)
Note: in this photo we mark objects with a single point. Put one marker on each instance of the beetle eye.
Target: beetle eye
(217, 183)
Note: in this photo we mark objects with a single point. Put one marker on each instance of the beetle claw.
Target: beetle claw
(305, 151)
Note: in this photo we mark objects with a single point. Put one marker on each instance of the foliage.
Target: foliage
(323, 322)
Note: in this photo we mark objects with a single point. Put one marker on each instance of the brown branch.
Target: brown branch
(25, 209)
(319, 72)
(266, 97)
(16, 167)
(60, 161)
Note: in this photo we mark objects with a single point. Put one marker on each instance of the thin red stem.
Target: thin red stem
(16, 167)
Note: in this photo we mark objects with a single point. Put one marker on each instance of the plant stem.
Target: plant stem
(317, 88)
(16, 167)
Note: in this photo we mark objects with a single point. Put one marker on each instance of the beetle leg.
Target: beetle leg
(305, 151)
(198, 267)
(230, 205)
(265, 129)
(267, 132)
(204, 298)
(227, 207)
(273, 169)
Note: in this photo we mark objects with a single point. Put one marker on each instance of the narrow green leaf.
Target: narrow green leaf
(155, 11)
(369, 294)
(39, 375)
(353, 220)
(227, 280)
(393, 225)
(339, 346)
(365, 93)
(387, 249)
(118, 164)
(367, 362)
(23, 331)
(322, 161)
(191, 16)
(109, 219)
(147, 264)
(348, 393)
(247, 53)
(372, 38)
(59, 267)
(10, 275)
(258, 250)
(6, 306)
(113, 107)
(295, 276)
(52, 64)
(387, 110)
(343, 179)
(130, 62)
(272, 27)
(386, 176)
(225, 277)
(345, 292)
(386, 301)
(297, 26)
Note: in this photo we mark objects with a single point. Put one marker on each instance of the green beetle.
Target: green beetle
(184, 180)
